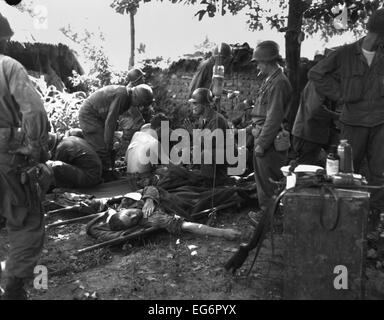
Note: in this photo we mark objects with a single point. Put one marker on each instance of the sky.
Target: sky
(166, 29)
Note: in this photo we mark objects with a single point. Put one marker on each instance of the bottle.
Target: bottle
(218, 80)
(344, 150)
(333, 162)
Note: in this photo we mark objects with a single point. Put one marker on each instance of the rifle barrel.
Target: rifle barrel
(118, 240)
(79, 219)
(66, 209)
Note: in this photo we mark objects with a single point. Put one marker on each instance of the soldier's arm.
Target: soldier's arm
(325, 75)
(329, 113)
(316, 103)
(34, 117)
(151, 192)
(278, 98)
(194, 83)
(151, 198)
(201, 79)
(111, 121)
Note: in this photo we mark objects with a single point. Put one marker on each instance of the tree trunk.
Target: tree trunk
(292, 53)
(132, 57)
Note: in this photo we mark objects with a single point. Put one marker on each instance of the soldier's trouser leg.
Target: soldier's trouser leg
(96, 141)
(376, 164)
(368, 142)
(26, 243)
(93, 131)
(268, 166)
(69, 176)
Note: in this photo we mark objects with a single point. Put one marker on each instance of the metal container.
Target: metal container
(344, 150)
(313, 254)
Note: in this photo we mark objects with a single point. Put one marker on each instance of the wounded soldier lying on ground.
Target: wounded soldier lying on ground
(132, 215)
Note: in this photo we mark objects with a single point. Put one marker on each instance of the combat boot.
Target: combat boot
(14, 289)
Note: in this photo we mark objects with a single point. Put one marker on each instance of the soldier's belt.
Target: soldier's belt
(12, 159)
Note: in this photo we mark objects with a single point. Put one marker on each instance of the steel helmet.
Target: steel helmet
(376, 22)
(201, 96)
(135, 75)
(223, 49)
(5, 29)
(143, 95)
(266, 51)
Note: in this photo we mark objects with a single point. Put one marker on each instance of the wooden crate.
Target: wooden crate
(311, 252)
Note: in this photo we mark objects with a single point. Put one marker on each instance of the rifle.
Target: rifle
(75, 220)
(63, 210)
(238, 259)
(118, 240)
(93, 206)
(83, 207)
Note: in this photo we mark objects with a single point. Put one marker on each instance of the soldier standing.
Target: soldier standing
(23, 139)
(267, 117)
(353, 75)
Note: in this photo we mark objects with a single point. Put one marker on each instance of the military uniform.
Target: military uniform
(268, 114)
(313, 127)
(212, 120)
(203, 76)
(345, 75)
(23, 121)
(76, 164)
(98, 118)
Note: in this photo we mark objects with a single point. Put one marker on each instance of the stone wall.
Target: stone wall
(244, 80)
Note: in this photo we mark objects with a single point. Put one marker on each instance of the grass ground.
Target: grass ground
(164, 266)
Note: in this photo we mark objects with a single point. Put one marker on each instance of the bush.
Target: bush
(62, 107)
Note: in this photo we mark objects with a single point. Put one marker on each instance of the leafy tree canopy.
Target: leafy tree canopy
(317, 15)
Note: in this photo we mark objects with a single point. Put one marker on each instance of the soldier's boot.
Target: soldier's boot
(14, 289)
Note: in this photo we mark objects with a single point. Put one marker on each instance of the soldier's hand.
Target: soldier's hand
(148, 208)
(188, 125)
